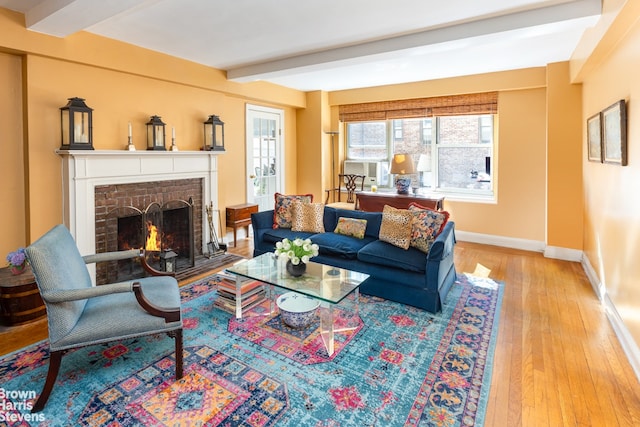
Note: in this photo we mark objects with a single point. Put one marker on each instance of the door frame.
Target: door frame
(251, 110)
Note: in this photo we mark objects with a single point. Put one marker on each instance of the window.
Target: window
(452, 154)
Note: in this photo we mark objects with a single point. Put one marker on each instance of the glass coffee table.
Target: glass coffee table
(330, 285)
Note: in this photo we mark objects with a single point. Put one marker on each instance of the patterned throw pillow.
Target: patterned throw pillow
(282, 209)
(396, 227)
(307, 217)
(351, 227)
(427, 224)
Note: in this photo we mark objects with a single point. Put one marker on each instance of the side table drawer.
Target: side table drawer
(241, 213)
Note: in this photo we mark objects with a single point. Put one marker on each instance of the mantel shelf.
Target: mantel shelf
(149, 153)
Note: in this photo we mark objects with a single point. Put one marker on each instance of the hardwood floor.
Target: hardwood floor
(558, 361)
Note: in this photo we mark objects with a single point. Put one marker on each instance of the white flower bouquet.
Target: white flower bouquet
(296, 251)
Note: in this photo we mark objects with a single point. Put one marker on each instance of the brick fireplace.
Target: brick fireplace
(98, 184)
(126, 214)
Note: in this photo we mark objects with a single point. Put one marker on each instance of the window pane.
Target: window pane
(367, 141)
(464, 168)
(416, 141)
(460, 130)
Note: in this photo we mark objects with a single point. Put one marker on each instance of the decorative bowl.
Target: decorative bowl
(297, 310)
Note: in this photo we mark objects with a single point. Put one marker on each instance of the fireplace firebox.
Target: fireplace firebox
(152, 217)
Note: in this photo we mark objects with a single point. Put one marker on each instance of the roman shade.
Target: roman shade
(455, 105)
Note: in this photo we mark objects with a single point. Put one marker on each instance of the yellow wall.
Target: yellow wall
(12, 189)
(564, 159)
(612, 204)
(313, 151)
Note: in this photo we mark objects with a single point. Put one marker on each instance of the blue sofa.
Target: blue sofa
(406, 276)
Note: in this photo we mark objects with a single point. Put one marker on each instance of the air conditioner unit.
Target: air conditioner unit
(376, 173)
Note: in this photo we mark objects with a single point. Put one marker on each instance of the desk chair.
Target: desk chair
(352, 183)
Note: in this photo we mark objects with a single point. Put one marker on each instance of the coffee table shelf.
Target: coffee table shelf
(326, 283)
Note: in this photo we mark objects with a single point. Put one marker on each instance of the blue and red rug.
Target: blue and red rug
(400, 367)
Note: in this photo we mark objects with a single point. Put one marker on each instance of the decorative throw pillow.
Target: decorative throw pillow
(307, 217)
(427, 224)
(282, 209)
(351, 227)
(396, 227)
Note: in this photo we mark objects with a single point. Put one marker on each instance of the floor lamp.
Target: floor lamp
(333, 163)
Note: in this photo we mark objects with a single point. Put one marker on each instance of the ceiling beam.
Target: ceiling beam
(62, 18)
(575, 9)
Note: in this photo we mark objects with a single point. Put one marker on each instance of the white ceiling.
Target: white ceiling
(331, 44)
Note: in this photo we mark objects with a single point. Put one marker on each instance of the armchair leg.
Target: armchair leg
(179, 352)
(54, 366)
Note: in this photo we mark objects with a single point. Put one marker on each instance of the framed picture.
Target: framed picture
(614, 133)
(594, 138)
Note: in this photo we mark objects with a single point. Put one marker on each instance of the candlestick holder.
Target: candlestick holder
(174, 147)
(130, 145)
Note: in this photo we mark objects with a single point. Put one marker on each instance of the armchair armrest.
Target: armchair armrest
(444, 243)
(111, 256)
(119, 255)
(64, 295)
(170, 314)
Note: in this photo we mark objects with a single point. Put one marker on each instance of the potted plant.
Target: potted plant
(17, 261)
(297, 253)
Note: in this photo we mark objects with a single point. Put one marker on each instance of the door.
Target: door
(264, 155)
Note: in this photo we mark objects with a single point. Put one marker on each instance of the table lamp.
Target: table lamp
(402, 165)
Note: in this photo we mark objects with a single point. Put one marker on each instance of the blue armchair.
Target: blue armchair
(81, 314)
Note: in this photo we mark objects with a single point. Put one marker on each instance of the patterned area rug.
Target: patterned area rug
(400, 367)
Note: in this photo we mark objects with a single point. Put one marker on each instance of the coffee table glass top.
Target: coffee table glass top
(321, 281)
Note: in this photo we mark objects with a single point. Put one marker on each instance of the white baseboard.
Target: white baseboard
(555, 252)
(627, 342)
(506, 242)
(565, 254)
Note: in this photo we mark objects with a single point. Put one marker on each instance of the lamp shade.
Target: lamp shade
(423, 163)
(402, 164)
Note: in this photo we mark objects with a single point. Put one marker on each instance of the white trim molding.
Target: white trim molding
(506, 242)
(627, 342)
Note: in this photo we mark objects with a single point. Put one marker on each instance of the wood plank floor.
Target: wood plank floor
(557, 360)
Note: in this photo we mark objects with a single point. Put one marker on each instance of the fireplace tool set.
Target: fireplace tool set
(214, 246)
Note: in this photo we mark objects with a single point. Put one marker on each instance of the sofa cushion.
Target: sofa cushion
(282, 208)
(351, 227)
(276, 235)
(396, 227)
(386, 254)
(307, 217)
(374, 219)
(427, 224)
(340, 245)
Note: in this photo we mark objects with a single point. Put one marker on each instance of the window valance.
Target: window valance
(456, 105)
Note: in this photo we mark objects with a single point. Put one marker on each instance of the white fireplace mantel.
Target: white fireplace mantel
(83, 170)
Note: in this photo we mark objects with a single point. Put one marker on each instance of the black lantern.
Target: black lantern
(168, 261)
(214, 134)
(155, 134)
(77, 126)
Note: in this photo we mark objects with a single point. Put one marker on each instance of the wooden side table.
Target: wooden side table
(20, 300)
(240, 216)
